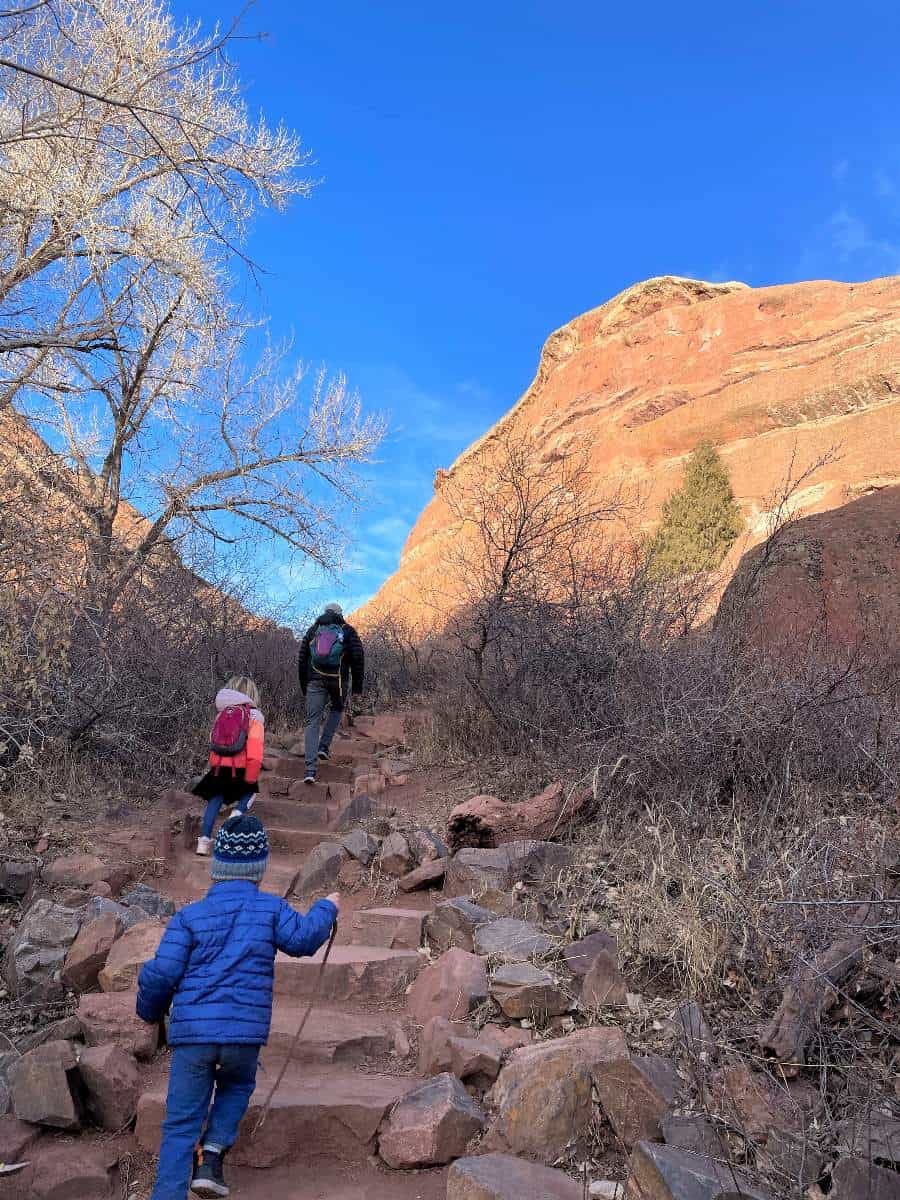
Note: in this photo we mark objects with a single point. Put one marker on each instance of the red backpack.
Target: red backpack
(230, 731)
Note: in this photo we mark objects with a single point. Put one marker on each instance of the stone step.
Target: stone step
(295, 814)
(315, 1112)
(194, 879)
(393, 928)
(331, 1035)
(300, 840)
(361, 974)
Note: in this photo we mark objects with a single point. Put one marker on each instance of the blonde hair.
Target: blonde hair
(243, 683)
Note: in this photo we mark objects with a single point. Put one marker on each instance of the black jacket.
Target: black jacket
(353, 663)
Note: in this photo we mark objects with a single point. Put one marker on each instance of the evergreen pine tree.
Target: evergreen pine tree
(700, 521)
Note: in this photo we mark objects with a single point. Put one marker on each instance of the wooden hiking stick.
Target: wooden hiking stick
(287, 1062)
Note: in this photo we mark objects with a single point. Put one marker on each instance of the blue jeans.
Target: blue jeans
(319, 695)
(212, 810)
(195, 1072)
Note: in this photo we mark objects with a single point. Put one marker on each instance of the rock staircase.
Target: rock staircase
(352, 1063)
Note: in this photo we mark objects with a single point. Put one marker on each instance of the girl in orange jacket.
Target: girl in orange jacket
(232, 779)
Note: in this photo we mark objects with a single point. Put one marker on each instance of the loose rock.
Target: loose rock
(15, 1138)
(578, 956)
(395, 856)
(448, 1046)
(524, 992)
(511, 941)
(431, 1125)
(157, 905)
(604, 984)
(360, 845)
(128, 916)
(37, 953)
(430, 874)
(633, 1103)
(450, 988)
(661, 1173)
(753, 1102)
(41, 1089)
(543, 1096)
(89, 952)
(129, 954)
(454, 922)
(320, 871)
(72, 1172)
(78, 870)
(111, 1078)
(110, 1017)
(427, 846)
(696, 1134)
(859, 1179)
(692, 1028)
(503, 1177)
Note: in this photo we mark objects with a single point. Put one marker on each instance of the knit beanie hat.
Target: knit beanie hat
(335, 608)
(241, 849)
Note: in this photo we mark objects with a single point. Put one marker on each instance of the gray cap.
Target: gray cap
(335, 608)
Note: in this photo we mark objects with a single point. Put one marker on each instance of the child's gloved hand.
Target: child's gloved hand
(335, 899)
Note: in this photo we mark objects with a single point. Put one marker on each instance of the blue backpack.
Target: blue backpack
(326, 650)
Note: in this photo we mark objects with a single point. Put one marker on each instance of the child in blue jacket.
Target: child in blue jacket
(215, 966)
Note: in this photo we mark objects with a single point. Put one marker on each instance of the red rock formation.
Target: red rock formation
(773, 376)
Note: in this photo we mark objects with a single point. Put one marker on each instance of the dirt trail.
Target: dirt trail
(353, 1063)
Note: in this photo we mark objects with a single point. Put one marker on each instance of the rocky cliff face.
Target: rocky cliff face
(775, 377)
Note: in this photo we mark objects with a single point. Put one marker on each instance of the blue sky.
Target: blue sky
(491, 170)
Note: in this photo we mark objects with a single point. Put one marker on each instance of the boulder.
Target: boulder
(152, 902)
(393, 928)
(635, 1096)
(662, 1173)
(129, 954)
(37, 953)
(127, 916)
(360, 845)
(110, 1017)
(543, 1096)
(450, 987)
(77, 870)
(66, 1029)
(511, 941)
(503, 1177)
(72, 1171)
(16, 878)
(89, 952)
(395, 856)
(448, 1046)
(5, 1098)
(474, 871)
(41, 1086)
(431, 1125)
(525, 991)
(358, 808)
(604, 985)
(320, 870)
(112, 1082)
(454, 922)
(430, 874)
(873, 1136)
(426, 846)
(696, 1134)
(792, 1158)
(860, 1179)
(578, 956)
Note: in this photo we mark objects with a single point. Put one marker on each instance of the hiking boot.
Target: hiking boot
(208, 1179)
(310, 777)
(203, 845)
(323, 755)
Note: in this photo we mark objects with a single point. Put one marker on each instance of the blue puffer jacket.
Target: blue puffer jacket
(217, 959)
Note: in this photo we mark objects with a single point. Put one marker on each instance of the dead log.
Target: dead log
(485, 821)
(814, 986)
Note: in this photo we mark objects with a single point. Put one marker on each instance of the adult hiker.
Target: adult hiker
(215, 966)
(331, 666)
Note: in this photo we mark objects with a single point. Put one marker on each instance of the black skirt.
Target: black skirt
(230, 785)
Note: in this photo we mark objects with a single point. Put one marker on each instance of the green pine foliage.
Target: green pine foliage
(700, 521)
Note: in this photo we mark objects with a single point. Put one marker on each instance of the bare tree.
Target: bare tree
(113, 119)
